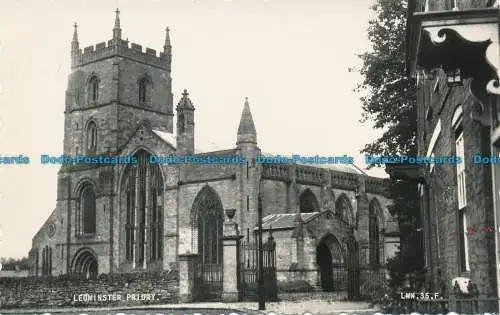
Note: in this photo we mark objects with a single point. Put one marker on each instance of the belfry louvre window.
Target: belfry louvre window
(142, 91)
(142, 195)
(145, 89)
(93, 90)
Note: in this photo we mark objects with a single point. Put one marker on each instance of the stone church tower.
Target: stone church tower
(113, 89)
(110, 91)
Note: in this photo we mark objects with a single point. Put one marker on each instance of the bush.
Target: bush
(295, 286)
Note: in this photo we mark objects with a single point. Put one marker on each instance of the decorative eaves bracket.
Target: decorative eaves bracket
(459, 40)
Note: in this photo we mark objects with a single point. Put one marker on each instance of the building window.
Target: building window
(181, 123)
(374, 234)
(343, 210)
(461, 189)
(308, 202)
(145, 88)
(142, 190)
(462, 194)
(207, 218)
(464, 248)
(93, 90)
(91, 138)
(37, 262)
(86, 212)
(47, 261)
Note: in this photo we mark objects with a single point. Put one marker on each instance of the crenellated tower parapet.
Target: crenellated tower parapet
(122, 48)
(117, 47)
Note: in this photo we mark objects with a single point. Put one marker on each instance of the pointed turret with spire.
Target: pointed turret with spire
(167, 48)
(246, 129)
(117, 31)
(185, 124)
(75, 45)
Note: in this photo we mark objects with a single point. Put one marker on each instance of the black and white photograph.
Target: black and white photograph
(249, 157)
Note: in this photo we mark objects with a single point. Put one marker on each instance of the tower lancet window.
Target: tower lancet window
(93, 90)
(91, 137)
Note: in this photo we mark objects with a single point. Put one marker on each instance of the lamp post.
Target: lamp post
(261, 293)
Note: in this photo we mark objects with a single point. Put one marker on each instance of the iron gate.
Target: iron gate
(249, 270)
(207, 282)
(353, 269)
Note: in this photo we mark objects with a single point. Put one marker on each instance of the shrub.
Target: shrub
(294, 286)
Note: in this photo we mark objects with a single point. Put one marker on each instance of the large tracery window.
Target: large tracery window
(86, 211)
(308, 202)
(143, 196)
(343, 210)
(207, 221)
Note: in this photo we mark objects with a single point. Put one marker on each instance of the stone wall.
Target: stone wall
(126, 289)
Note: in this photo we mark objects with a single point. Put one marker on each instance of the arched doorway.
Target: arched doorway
(85, 263)
(330, 259)
(324, 261)
(207, 218)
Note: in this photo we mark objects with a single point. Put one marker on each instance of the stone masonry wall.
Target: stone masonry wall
(65, 291)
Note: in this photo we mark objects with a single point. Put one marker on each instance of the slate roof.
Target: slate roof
(170, 138)
(285, 220)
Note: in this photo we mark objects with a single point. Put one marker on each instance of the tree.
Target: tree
(12, 263)
(389, 101)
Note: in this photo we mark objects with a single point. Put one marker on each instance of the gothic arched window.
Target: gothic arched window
(93, 90)
(46, 261)
(142, 192)
(91, 137)
(374, 233)
(207, 220)
(86, 211)
(343, 210)
(308, 202)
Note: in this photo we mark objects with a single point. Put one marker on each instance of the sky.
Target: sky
(289, 57)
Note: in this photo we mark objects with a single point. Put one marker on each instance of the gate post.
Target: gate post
(231, 262)
(186, 277)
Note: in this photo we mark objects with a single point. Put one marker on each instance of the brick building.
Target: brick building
(150, 217)
(453, 52)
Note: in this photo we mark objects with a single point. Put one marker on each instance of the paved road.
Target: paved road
(315, 307)
(142, 312)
